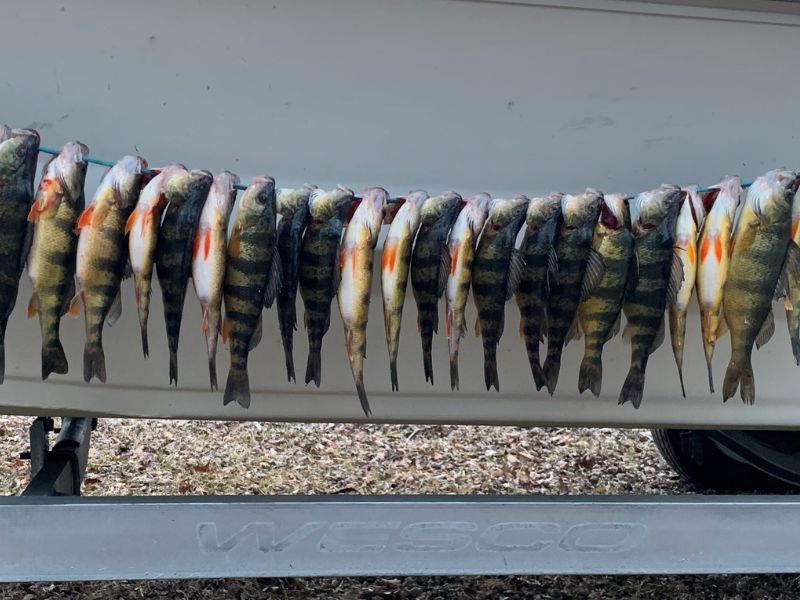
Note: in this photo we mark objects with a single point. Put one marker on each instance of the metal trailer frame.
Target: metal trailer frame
(50, 533)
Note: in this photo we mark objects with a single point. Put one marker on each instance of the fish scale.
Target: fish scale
(537, 251)
(186, 193)
(319, 256)
(252, 279)
(18, 156)
(51, 263)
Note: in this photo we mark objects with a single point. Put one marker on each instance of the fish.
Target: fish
(59, 201)
(579, 269)
(208, 261)
(712, 270)
(461, 246)
(19, 152)
(763, 258)
(186, 193)
(142, 231)
(496, 271)
(252, 280)
(293, 208)
(355, 268)
(542, 222)
(430, 265)
(656, 276)
(101, 257)
(395, 266)
(599, 314)
(793, 289)
(319, 269)
(691, 215)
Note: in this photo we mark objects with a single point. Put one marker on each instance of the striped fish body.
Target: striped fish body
(51, 262)
(186, 194)
(690, 217)
(461, 247)
(714, 258)
(538, 252)
(251, 275)
(599, 314)
(430, 266)
(18, 155)
(646, 301)
(101, 256)
(793, 306)
(208, 262)
(762, 250)
(356, 258)
(395, 265)
(495, 276)
(142, 230)
(319, 269)
(573, 247)
(295, 220)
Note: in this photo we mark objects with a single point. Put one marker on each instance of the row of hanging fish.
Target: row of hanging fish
(584, 260)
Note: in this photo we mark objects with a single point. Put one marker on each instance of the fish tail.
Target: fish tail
(173, 367)
(288, 352)
(237, 389)
(551, 368)
(739, 373)
(3, 351)
(427, 356)
(54, 360)
(796, 346)
(793, 320)
(356, 344)
(490, 375)
(211, 319)
(633, 388)
(677, 328)
(708, 348)
(591, 375)
(454, 364)
(393, 343)
(145, 345)
(94, 362)
(314, 366)
(287, 317)
(142, 292)
(532, 347)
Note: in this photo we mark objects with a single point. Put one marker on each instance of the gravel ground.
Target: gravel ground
(193, 457)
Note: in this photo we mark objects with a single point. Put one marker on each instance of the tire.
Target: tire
(732, 461)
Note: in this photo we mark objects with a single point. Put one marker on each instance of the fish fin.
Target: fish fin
(65, 308)
(515, 270)
(234, 240)
(445, 262)
(54, 360)
(257, 333)
(477, 327)
(675, 279)
(115, 310)
(41, 205)
(86, 218)
(131, 221)
(659, 339)
(127, 273)
(237, 388)
(595, 269)
(633, 388)
(627, 332)
(767, 330)
(552, 261)
(575, 332)
(94, 362)
(590, 376)
(274, 281)
(709, 197)
(225, 330)
(614, 328)
(790, 270)
(204, 322)
(26, 248)
(33, 305)
(76, 302)
(722, 328)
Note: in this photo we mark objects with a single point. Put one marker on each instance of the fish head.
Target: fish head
(437, 206)
(290, 199)
(507, 212)
(222, 192)
(614, 213)
(373, 202)
(724, 196)
(125, 179)
(19, 150)
(580, 211)
(416, 198)
(542, 210)
(476, 208)
(71, 168)
(258, 200)
(656, 209)
(692, 201)
(771, 195)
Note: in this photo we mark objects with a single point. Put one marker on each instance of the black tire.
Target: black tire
(732, 461)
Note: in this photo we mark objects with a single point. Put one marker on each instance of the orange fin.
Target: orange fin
(131, 221)
(86, 217)
(389, 257)
(41, 206)
(33, 305)
(477, 327)
(75, 304)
